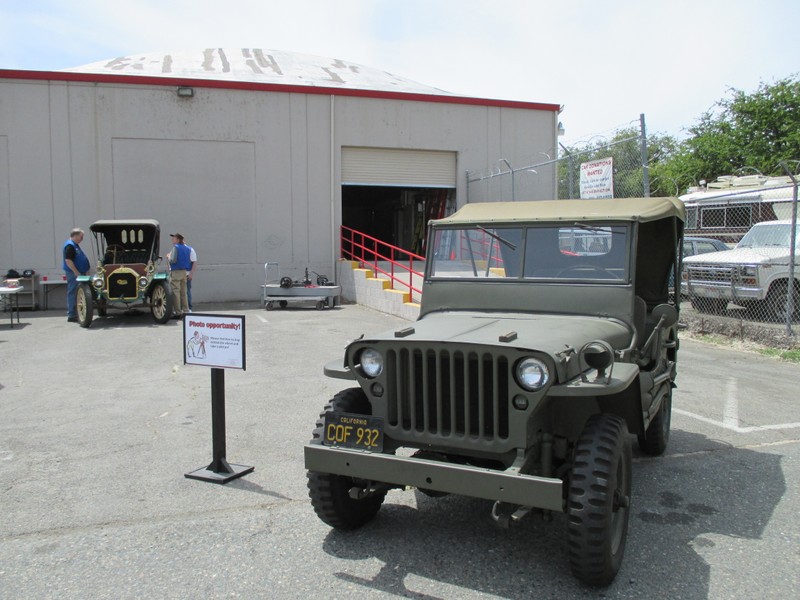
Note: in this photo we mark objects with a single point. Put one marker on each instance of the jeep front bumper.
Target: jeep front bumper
(511, 487)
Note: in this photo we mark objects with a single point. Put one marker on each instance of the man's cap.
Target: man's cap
(177, 235)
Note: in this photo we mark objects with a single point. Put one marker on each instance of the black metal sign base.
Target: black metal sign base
(219, 476)
(219, 471)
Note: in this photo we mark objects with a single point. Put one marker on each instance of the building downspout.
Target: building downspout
(333, 191)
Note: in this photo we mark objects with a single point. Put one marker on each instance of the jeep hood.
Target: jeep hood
(546, 333)
(764, 255)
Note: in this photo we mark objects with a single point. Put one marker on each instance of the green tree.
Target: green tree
(741, 132)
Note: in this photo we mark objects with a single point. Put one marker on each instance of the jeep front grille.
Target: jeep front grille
(447, 393)
(123, 286)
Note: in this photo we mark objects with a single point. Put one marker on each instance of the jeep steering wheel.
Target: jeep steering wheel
(609, 274)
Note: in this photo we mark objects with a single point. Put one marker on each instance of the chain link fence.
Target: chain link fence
(597, 169)
(737, 265)
(755, 282)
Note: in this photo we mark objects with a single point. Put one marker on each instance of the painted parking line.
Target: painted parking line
(730, 414)
(735, 427)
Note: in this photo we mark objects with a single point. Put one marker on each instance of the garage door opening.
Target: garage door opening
(391, 193)
(395, 215)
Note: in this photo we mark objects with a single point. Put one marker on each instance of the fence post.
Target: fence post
(645, 171)
(790, 293)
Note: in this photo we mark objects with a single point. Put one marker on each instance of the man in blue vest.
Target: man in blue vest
(75, 263)
(180, 264)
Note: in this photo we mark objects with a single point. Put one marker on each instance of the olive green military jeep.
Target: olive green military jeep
(547, 336)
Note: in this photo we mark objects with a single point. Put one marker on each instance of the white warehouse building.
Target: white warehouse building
(254, 155)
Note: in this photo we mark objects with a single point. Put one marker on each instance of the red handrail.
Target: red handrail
(488, 248)
(369, 252)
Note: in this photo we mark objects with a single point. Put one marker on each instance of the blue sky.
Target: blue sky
(604, 61)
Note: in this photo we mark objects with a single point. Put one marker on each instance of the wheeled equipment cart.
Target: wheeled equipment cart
(282, 290)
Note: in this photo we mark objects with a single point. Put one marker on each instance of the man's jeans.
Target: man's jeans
(72, 294)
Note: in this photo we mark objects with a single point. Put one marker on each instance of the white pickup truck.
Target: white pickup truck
(754, 274)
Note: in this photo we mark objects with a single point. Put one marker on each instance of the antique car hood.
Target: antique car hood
(543, 332)
(762, 255)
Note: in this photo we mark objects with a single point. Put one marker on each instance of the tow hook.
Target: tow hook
(504, 513)
(359, 493)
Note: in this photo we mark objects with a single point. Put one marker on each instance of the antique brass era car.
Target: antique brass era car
(126, 275)
(547, 337)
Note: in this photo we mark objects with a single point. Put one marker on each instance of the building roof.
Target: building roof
(259, 66)
(261, 70)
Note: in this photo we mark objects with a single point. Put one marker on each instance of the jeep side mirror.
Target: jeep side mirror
(668, 313)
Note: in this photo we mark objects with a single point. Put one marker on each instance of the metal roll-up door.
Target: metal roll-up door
(392, 167)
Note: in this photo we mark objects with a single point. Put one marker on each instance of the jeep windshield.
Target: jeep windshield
(574, 252)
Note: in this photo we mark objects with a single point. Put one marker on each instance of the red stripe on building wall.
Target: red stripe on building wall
(267, 87)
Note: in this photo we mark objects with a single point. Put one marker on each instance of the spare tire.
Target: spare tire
(286, 282)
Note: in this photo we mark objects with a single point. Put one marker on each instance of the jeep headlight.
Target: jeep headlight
(371, 362)
(97, 281)
(532, 374)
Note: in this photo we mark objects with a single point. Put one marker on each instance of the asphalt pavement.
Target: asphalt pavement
(99, 427)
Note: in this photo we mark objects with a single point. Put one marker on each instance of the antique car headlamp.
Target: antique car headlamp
(142, 283)
(97, 281)
(371, 362)
(532, 374)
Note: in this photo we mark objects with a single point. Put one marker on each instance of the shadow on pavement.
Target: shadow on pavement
(712, 488)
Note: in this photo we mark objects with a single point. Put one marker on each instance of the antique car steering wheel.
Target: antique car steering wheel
(112, 250)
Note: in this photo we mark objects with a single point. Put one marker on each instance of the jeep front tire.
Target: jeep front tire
(329, 493)
(598, 500)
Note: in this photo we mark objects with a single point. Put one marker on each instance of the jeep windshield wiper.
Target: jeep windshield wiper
(596, 229)
(493, 235)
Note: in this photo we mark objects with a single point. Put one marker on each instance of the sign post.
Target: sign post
(216, 341)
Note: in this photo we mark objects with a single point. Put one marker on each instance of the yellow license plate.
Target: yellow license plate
(346, 430)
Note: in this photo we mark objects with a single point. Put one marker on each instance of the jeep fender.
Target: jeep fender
(337, 370)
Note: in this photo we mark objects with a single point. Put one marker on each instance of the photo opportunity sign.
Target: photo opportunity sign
(218, 342)
(214, 341)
